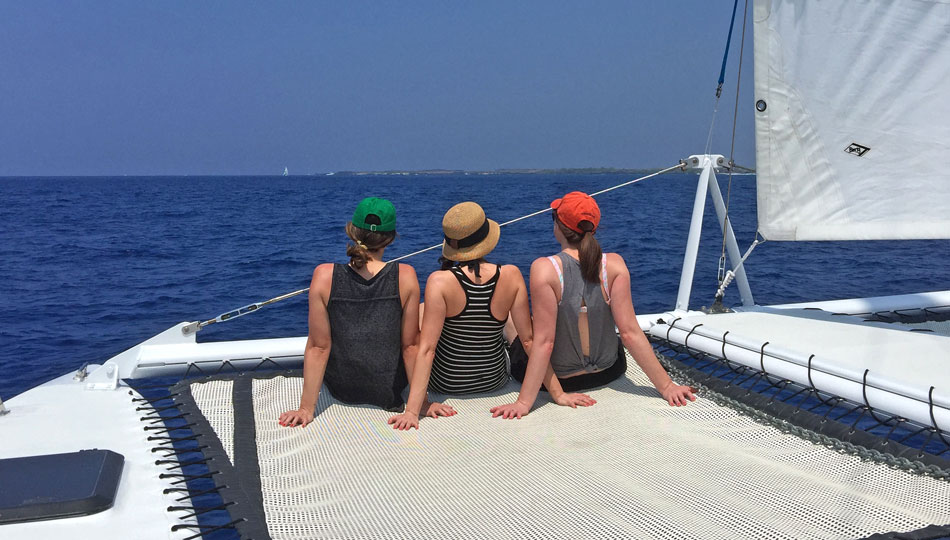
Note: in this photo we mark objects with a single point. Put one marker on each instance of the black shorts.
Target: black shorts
(519, 364)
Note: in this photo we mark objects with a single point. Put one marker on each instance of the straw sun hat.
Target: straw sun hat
(469, 235)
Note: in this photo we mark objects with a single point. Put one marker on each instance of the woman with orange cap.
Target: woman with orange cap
(578, 297)
(462, 349)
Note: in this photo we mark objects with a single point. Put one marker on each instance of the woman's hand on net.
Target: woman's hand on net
(298, 417)
(404, 421)
(436, 409)
(677, 395)
(573, 400)
(511, 410)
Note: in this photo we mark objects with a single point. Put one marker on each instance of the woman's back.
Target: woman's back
(470, 354)
(365, 315)
(363, 320)
(582, 310)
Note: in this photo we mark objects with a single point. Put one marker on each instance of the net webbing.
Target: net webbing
(214, 402)
(631, 466)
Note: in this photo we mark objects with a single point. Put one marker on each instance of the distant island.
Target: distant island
(458, 172)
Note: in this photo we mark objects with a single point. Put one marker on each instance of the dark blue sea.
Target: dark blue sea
(92, 266)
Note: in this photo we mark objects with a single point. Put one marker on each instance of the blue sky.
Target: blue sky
(171, 87)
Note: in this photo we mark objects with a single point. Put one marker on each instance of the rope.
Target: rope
(250, 308)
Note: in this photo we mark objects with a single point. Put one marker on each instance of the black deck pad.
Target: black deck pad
(57, 486)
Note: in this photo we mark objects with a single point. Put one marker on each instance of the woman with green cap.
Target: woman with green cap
(364, 322)
(462, 349)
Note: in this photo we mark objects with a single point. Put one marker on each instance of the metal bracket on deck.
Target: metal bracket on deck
(3, 410)
(190, 328)
(105, 377)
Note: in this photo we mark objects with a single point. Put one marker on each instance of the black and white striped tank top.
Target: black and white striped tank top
(470, 356)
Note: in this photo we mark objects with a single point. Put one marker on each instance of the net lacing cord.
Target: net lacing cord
(709, 366)
(250, 308)
(178, 450)
(781, 384)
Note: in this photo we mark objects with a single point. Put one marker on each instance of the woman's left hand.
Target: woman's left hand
(677, 395)
(404, 421)
(511, 410)
(437, 409)
(573, 400)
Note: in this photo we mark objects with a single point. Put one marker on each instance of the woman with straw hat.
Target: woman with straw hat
(579, 297)
(364, 322)
(462, 349)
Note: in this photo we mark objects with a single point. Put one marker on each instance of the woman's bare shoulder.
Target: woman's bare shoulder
(511, 274)
(510, 269)
(615, 260)
(323, 272)
(322, 279)
(439, 278)
(407, 271)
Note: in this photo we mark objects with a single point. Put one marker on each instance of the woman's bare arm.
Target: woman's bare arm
(520, 307)
(433, 318)
(621, 306)
(317, 350)
(409, 296)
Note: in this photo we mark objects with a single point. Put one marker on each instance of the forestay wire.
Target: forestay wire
(250, 308)
(725, 278)
(722, 72)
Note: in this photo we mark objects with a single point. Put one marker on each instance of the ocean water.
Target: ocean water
(93, 266)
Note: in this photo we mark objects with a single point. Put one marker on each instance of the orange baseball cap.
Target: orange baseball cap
(575, 208)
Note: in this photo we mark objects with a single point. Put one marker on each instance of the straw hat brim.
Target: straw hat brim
(477, 251)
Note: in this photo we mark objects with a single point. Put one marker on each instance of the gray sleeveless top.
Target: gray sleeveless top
(365, 364)
(568, 356)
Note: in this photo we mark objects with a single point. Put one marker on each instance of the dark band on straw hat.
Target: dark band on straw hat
(471, 239)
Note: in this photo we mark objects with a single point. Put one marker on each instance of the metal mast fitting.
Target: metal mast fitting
(708, 163)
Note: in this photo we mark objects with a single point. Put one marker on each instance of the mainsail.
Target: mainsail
(852, 119)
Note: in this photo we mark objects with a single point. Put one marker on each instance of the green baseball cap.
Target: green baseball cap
(375, 214)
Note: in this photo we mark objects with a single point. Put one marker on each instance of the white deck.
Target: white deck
(61, 416)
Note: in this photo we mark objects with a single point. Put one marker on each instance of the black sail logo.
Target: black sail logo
(856, 149)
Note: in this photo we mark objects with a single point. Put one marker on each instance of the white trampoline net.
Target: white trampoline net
(214, 402)
(629, 467)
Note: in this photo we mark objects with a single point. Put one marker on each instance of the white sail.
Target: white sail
(854, 139)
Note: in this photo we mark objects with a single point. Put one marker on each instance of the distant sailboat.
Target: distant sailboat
(285, 171)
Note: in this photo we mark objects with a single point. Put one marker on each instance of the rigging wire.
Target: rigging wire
(725, 56)
(722, 74)
(722, 274)
(250, 308)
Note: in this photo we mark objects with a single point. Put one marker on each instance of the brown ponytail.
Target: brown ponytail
(588, 249)
(365, 241)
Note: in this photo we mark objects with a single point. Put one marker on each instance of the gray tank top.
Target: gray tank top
(568, 356)
(365, 364)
